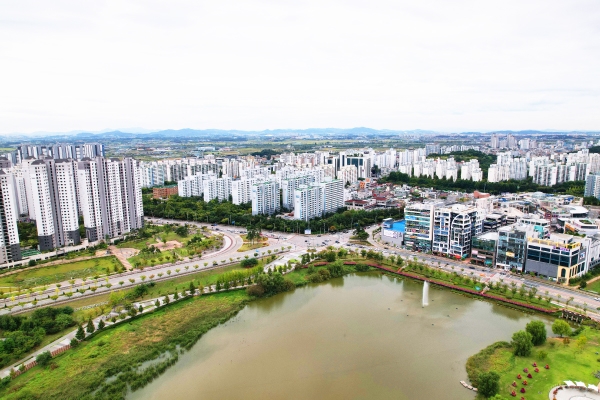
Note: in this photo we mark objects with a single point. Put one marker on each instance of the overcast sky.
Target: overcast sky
(440, 65)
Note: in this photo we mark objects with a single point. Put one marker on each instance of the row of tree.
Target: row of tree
(575, 188)
(225, 212)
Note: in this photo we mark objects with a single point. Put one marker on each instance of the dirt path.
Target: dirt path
(122, 255)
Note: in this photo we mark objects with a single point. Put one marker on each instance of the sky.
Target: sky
(282, 64)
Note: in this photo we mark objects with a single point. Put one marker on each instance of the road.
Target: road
(232, 242)
(558, 293)
(299, 243)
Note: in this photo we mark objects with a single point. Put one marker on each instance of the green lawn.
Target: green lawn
(594, 286)
(567, 362)
(78, 373)
(46, 275)
(203, 278)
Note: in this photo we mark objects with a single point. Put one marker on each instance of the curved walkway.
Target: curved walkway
(62, 344)
(573, 394)
(131, 278)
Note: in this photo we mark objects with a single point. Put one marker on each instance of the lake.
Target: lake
(364, 336)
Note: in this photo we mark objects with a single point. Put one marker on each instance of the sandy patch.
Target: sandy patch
(170, 245)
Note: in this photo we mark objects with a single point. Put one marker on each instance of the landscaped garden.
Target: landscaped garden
(160, 244)
(255, 243)
(531, 365)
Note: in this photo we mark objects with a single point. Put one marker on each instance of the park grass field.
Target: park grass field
(204, 278)
(46, 275)
(567, 362)
(594, 286)
(76, 374)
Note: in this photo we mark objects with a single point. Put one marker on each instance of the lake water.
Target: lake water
(364, 336)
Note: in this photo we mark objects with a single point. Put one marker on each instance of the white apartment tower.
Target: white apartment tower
(241, 191)
(332, 196)
(217, 188)
(66, 193)
(111, 196)
(265, 198)
(9, 237)
(318, 199)
(307, 202)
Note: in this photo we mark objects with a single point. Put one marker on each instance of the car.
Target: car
(318, 235)
(471, 267)
(337, 241)
(597, 298)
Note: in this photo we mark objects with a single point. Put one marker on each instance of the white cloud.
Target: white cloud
(460, 65)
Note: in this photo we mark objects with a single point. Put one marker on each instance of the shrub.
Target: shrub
(255, 290)
(361, 267)
(44, 358)
(249, 263)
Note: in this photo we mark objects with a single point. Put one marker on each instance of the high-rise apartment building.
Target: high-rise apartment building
(592, 186)
(266, 198)
(317, 199)
(111, 197)
(217, 188)
(307, 202)
(9, 236)
(241, 190)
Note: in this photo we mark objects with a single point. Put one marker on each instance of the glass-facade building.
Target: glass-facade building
(419, 227)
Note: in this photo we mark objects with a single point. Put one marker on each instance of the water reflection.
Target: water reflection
(373, 339)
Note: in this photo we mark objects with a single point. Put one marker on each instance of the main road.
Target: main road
(227, 254)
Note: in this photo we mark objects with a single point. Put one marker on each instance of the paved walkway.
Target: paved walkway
(161, 272)
(148, 306)
(573, 394)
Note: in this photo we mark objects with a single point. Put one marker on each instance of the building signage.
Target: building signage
(390, 233)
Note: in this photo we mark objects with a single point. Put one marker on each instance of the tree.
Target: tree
(74, 342)
(537, 329)
(101, 324)
(581, 342)
(90, 326)
(488, 384)
(522, 344)
(43, 358)
(561, 328)
(80, 335)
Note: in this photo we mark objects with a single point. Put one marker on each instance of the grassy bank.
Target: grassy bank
(120, 351)
(57, 273)
(575, 361)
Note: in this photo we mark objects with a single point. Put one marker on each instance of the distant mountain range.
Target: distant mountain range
(139, 133)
